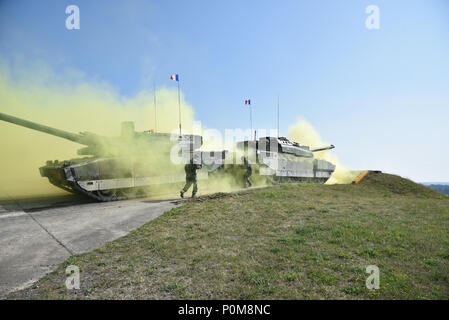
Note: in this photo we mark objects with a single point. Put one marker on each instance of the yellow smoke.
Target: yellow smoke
(305, 134)
(69, 102)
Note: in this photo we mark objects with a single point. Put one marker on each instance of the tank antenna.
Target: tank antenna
(278, 116)
(155, 112)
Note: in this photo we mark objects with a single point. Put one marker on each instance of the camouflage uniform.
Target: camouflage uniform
(190, 170)
(248, 173)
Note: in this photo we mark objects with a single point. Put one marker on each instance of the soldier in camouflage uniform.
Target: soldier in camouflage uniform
(190, 170)
(248, 173)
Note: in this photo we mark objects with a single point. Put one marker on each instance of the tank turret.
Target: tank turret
(130, 141)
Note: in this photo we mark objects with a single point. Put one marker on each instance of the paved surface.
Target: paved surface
(38, 234)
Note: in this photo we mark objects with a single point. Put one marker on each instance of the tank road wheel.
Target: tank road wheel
(131, 193)
(275, 179)
(107, 195)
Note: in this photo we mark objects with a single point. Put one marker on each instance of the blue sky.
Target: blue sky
(381, 96)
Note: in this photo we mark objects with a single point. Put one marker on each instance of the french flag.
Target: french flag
(174, 77)
(248, 102)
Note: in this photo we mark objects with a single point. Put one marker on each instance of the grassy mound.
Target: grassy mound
(398, 185)
(282, 242)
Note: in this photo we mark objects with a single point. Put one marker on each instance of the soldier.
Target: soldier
(190, 170)
(248, 173)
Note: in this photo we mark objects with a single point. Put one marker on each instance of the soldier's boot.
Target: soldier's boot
(181, 193)
(195, 189)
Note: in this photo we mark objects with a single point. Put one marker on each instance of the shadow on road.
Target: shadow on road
(38, 203)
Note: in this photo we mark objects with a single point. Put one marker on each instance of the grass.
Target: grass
(282, 242)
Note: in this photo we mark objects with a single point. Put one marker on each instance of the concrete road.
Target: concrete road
(38, 234)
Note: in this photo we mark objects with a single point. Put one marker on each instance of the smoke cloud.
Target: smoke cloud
(70, 102)
(305, 134)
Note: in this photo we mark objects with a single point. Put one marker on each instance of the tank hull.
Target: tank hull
(109, 179)
(282, 161)
(288, 168)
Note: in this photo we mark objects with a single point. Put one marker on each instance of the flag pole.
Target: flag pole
(251, 118)
(179, 106)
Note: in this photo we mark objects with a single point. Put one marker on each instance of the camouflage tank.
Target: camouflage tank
(282, 161)
(124, 166)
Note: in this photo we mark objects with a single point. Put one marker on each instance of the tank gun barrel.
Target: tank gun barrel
(39, 127)
(323, 148)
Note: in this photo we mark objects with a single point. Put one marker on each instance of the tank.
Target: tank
(280, 160)
(125, 166)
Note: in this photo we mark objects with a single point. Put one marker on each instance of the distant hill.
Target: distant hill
(430, 183)
(442, 188)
